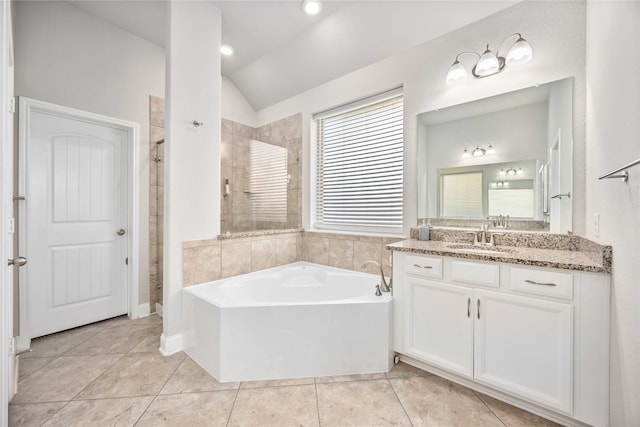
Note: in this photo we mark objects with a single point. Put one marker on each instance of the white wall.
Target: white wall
(68, 57)
(234, 105)
(556, 31)
(192, 154)
(613, 139)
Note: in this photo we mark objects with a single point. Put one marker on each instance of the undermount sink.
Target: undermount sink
(478, 249)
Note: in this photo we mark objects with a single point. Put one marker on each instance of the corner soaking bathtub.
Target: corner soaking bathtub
(293, 321)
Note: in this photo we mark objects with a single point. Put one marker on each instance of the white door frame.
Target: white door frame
(26, 107)
(7, 352)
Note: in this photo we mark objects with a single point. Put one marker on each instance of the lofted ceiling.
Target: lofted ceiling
(280, 51)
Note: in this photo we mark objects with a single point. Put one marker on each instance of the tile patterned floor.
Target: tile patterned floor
(111, 374)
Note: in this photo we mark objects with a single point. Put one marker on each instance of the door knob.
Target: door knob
(18, 262)
(120, 232)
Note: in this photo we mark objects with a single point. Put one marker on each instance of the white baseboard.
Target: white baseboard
(170, 345)
(159, 309)
(144, 310)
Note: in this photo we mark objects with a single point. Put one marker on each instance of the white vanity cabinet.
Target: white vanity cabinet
(535, 337)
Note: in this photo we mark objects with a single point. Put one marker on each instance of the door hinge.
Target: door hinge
(12, 345)
(126, 260)
(12, 225)
(12, 104)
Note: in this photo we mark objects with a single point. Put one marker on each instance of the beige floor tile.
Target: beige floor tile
(344, 378)
(151, 320)
(114, 340)
(34, 414)
(193, 409)
(63, 378)
(135, 374)
(403, 370)
(512, 416)
(275, 406)
(190, 378)
(28, 366)
(60, 343)
(434, 401)
(151, 343)
(360, 403)
(277, 383)
(104, 412)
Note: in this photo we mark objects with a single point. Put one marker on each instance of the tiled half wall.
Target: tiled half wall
(206, 260)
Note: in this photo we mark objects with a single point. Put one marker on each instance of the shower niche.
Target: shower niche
(260, 176)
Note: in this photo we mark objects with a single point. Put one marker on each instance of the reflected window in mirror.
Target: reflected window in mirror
(462, 195)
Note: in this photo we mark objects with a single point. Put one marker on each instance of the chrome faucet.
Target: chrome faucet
(384, 286)
(480, 238)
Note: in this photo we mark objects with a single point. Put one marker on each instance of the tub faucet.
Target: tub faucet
(384, 286)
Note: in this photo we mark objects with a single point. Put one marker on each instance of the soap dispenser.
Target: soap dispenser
(423, 230)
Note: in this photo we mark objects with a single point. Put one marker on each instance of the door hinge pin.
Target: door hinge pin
(126, 261)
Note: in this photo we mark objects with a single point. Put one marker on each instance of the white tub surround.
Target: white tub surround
(293, 321)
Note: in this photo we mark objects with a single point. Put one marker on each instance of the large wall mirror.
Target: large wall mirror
(509, 155)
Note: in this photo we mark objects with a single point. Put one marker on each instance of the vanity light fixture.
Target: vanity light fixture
(478, 151)
(312, 7)
(490, 63)
(500, 184)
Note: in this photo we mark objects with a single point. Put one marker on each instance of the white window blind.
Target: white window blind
(462, 195)
(359, 166)
(268, 181)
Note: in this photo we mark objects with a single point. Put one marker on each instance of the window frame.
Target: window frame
(313, 214)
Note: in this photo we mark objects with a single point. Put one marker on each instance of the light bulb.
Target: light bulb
(456, 72)
(466, 154)
(312, 7)
(487, 64)
(491, 150)
(520, 171)
(501, 173)
(478, 152)
(520, 53)
(226, 50)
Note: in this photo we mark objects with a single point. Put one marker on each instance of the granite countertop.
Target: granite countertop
(590, 259)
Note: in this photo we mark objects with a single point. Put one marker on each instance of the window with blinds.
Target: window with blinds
(461, 195)
(359, 165)
(268, 182)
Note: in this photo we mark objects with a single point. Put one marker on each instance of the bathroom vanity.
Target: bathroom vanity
(526, 325)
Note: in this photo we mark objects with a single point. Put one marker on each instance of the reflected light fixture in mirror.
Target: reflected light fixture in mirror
(478, 151)
(490, 63)
(312, 7)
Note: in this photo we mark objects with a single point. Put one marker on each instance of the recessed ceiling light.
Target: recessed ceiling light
(226, 50)
(312, 7)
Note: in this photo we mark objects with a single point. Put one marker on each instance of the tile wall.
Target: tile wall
(156, 199)
(206, 260)
(236, 207)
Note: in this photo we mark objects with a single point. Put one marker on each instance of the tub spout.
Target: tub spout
(384, 286)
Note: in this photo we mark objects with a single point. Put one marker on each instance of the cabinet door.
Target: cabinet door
(439, 324)
(524, 346)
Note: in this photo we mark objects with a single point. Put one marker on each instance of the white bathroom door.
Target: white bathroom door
(75, 223)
